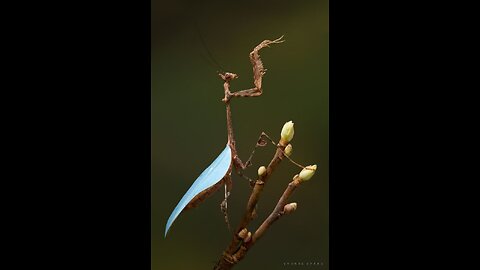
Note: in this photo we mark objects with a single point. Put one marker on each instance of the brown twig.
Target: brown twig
(278, 211)
(256, 192)
(248, 215)
(229, 258)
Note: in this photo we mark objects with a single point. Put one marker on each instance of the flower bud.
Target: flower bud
(243, 233)
(288, 150)
(248, 238)
(287, 133)
(289, 208)
(262, 170)
(308, 172)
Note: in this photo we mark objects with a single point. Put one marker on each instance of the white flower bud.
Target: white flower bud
(262, 170)
(288, 150)
(308, 172)
(243, 233)
(248, 238)
(287, 133)
(289, 208)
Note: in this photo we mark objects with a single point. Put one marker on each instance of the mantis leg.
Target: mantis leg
(239, 166)
(262, 141)
(224, 204)
(258, 72)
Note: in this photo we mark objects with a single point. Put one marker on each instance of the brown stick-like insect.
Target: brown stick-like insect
(219, 172)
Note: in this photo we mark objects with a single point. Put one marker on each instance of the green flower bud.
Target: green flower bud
(288, 150)
(262, 170)
(287, 133)
(308, 172)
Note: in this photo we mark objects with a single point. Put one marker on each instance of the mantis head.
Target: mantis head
(228, 76)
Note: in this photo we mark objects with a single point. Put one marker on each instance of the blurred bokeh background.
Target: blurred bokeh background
(191, 42)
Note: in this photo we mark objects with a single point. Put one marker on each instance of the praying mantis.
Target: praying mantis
(218, 173)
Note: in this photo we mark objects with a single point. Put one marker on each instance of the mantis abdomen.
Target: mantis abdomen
(207, 193)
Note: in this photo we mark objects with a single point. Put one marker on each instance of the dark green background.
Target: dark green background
(189, 129)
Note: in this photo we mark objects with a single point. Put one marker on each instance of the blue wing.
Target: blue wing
(209, 177)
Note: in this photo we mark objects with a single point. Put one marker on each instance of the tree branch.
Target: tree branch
(278, 211)
(246, 241)
(254, 197)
